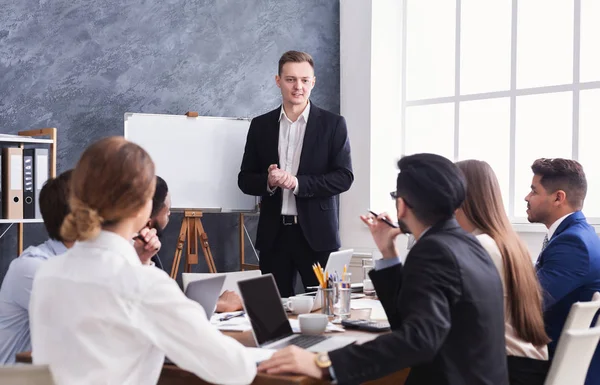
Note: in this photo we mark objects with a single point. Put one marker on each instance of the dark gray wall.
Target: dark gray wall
(79, 65)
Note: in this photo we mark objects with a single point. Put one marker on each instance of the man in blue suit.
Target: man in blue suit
(569, 265)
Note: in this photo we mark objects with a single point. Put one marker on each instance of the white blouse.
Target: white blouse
(515, 346)
(98, 316)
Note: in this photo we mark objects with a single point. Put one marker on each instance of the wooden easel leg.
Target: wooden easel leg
(192, 244)
(205, 247)
(179, 249)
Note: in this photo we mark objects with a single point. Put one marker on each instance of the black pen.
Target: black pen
(230, 316)
(384, 220)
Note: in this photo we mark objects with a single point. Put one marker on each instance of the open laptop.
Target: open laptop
(231, 278)
(336, 262)
(270, 326)
(206, 292)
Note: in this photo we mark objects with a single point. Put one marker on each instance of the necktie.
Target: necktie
(544, 244)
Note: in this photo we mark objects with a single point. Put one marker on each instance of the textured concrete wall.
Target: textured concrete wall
(79, 65)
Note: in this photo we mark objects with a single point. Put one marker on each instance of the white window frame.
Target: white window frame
(520, 222)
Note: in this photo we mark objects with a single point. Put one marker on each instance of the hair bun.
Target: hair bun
(82, 223)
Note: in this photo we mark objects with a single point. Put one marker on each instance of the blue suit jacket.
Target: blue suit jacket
(569, 271)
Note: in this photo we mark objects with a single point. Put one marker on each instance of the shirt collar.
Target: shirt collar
(56, 246)
(412, 240)
(304, 114)
(554, 226)
(113, 242)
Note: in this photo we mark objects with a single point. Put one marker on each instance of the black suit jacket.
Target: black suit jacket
(325, 170)
(445, 306)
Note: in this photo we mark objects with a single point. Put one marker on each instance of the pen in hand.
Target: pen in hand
(138, 236)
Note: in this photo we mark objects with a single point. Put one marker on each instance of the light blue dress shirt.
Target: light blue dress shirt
(14, 298)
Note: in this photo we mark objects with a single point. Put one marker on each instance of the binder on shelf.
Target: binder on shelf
(13, 182)
(41, 172)
(28, 184)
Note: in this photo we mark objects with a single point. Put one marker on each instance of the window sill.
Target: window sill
(539, 228)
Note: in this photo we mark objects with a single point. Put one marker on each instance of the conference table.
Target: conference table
(173, 375)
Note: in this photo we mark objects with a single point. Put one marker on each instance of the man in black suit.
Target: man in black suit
(445, 304)
(297, 159)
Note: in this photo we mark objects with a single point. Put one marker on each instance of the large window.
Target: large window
(505, 81)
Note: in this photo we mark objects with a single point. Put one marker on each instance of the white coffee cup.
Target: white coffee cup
(313, 324)
(300, 304)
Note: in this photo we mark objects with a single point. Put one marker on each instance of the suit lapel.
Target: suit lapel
(271, 144)
(565, 224)
(311, 136)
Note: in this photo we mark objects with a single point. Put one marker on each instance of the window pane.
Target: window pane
(590, 41)
(430, 51)
(543, 130)
(589, 137)
(544, 43)
(484, 134)
(484, 46)
(430, 129)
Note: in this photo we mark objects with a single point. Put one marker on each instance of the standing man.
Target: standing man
(297, 159)
(569, 265)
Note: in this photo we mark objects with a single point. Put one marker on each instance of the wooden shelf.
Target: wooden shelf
(37, 220)
(5, 139)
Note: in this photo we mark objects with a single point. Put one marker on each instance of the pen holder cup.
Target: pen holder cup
(328, 300)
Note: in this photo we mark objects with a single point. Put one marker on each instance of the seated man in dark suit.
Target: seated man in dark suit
(569, 265)
(445, 303)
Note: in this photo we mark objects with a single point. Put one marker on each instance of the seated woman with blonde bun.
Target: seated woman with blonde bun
(483, 214)
(97, 315)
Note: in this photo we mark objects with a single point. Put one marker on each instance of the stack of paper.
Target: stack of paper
(377, 312)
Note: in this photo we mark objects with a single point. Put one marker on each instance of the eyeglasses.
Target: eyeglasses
(395, 196)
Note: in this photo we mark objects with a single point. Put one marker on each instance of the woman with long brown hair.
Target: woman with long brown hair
(483, 214)
(97, 314)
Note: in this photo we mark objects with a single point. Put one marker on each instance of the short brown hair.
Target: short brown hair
(562, 174)
(295, 57)
(113, 180)
(54, 203)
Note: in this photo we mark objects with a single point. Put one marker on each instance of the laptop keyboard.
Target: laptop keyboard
(305, 341)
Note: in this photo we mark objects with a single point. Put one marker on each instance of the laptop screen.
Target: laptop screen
(264, 308)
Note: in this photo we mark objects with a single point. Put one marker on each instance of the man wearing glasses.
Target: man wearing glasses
(444, 304)
(297, 159)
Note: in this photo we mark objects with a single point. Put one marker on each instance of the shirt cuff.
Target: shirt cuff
(381, 264)
(270, 190)
(332, 374)
(297, 186)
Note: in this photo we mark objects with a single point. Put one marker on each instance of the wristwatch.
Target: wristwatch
(322, 360)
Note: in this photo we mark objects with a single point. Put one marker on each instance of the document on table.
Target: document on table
(259, 354)
(377, 312)
(233, 324)
(295, 324)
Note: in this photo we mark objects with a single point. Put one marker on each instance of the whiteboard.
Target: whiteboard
(199, 158)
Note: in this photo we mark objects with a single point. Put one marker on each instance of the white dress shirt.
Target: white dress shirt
(554, 226)
(291, 138)
(98, 316)
(515, 346)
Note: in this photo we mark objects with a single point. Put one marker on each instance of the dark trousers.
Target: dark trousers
(527, 371)
(289, 254)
